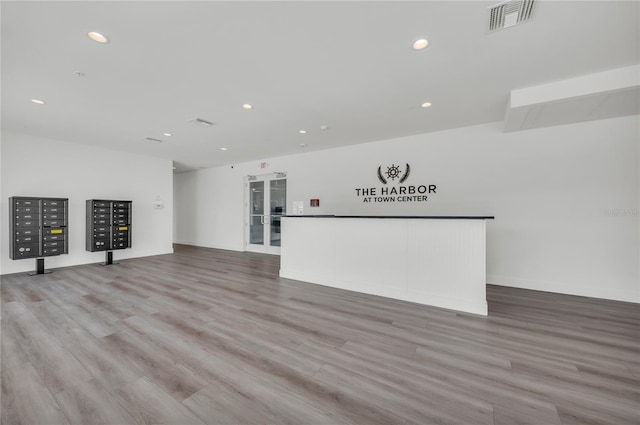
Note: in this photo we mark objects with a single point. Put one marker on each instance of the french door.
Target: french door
(265, 204)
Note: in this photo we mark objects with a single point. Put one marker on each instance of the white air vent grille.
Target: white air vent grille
(505, 15)
(201, 122)
(151, 139)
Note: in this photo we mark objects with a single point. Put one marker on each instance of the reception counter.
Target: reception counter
(438, 261)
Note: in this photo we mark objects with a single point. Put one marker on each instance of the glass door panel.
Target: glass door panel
(278, 201)
(266, 203)
(256, 212)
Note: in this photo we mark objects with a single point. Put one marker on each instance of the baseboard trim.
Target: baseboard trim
(209, 245)
(557, 288)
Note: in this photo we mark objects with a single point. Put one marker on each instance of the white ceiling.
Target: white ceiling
(347, 65)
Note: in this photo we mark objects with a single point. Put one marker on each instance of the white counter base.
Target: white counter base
(438, 262)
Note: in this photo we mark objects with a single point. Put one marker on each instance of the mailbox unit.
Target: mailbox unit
(108, 225)
(38, 227)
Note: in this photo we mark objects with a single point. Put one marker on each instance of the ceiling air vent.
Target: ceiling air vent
(201, 122)
(508, 14)
(151, 139)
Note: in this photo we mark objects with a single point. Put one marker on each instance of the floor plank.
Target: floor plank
(148, 405)
(90, 403)
(25, 399)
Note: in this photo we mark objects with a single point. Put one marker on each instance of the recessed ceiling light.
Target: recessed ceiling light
(247, 106)
(302, 131)
(38, 101)
(426, 104)
(167, 134)
(96, 36)
(303, 145)
(223, 149)
(420, 44)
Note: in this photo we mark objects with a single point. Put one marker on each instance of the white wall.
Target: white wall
(80, 172)
(555, 192)
(208, 205)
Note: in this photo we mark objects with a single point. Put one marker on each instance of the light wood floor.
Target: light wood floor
(216, 337)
